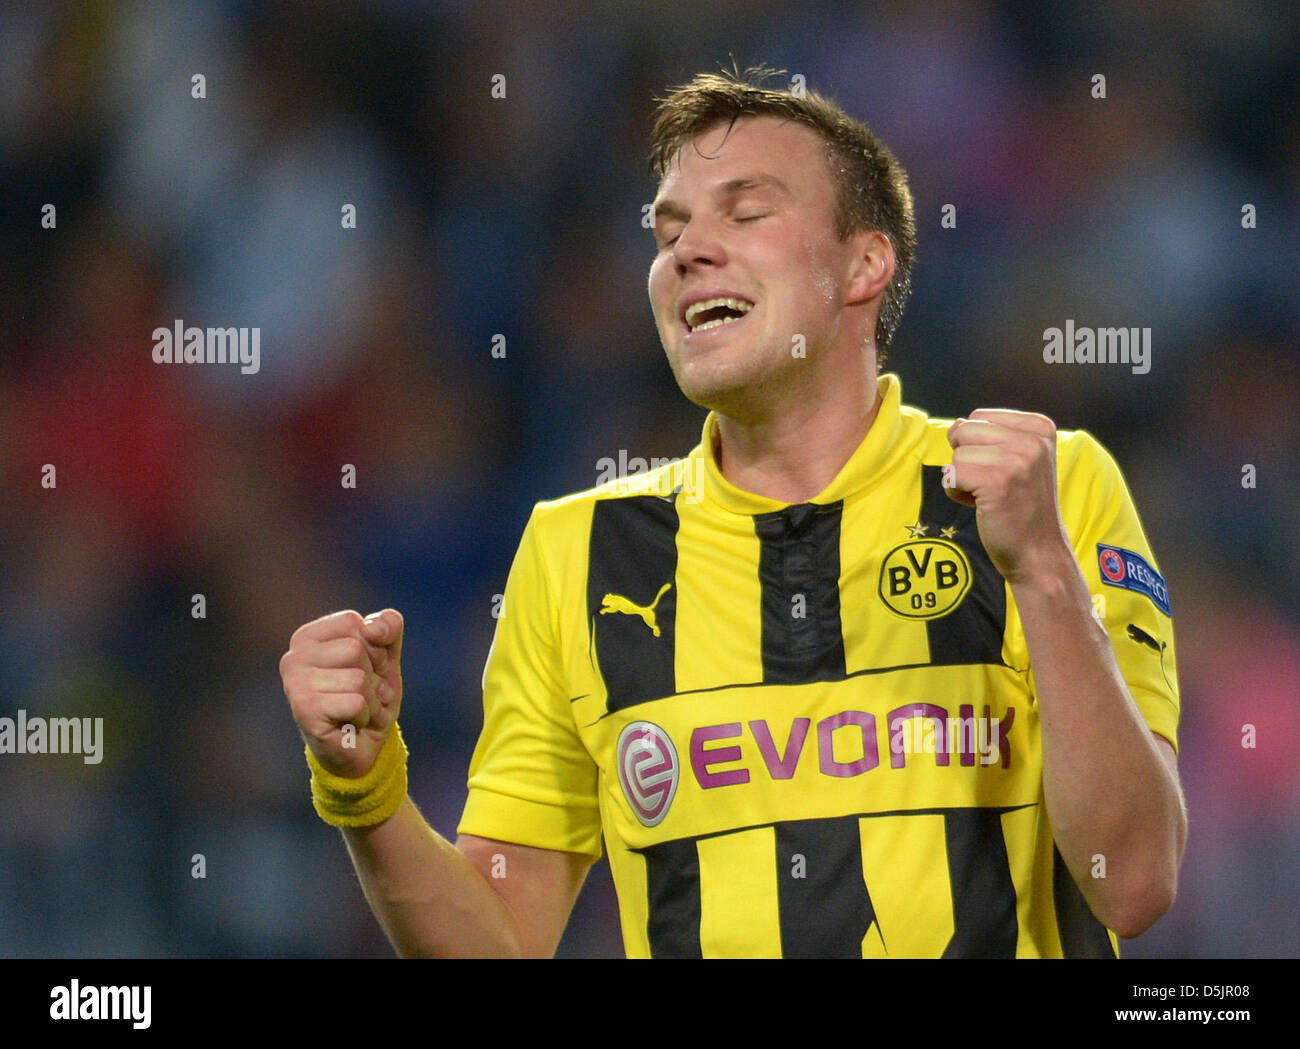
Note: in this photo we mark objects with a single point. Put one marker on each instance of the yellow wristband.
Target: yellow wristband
(362, 802)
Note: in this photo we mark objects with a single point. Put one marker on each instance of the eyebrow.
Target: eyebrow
(671, 209)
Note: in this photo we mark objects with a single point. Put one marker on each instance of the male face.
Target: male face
(748, 216)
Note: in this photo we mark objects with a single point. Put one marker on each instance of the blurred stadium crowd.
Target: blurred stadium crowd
(522, 216)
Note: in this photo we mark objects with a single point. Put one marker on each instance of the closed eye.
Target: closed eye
(669, 242)
(739, 218)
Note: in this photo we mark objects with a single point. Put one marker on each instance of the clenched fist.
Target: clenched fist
(1004, 465)
(343, 679)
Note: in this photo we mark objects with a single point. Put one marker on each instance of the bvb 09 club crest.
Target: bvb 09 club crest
(924, 578)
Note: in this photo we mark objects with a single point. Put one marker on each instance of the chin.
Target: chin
(702, 380)
(730, 380)
(731, 395)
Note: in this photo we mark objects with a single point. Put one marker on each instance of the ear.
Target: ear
(871, 267)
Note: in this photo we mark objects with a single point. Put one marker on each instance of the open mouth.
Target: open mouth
(715, 313)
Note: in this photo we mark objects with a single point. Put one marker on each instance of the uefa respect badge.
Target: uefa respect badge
(1130, 571)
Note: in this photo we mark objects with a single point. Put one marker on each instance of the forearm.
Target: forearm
(429, 899)
(1110, 796)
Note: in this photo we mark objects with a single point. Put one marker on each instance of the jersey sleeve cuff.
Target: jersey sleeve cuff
(1159, 712)
(505, 817)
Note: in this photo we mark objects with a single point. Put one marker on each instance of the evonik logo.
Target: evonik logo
(845, 745)
(848, 744)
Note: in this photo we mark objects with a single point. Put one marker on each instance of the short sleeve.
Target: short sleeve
(531, 780)
(1129, 592)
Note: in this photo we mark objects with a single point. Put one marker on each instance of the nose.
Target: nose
(699, 242)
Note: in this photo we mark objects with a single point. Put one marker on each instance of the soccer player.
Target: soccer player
(846, 681)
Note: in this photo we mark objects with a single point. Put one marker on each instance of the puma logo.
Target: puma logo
(619, 603)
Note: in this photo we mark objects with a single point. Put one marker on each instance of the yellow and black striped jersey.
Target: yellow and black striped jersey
(804, 730)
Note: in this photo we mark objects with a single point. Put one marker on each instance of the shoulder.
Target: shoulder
(1085, 469)
(567, 519)
(1080, 450)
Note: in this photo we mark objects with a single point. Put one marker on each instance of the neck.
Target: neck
(793, 454)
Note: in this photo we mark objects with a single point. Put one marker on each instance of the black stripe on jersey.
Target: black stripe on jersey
(1082, 935)
(972, 632)
(672, 870)
(799, 571)
(633, 556)
(983, 895)
(827, 911)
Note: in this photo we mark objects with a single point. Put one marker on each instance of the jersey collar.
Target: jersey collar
(879, 449)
